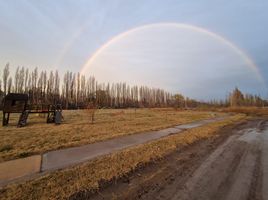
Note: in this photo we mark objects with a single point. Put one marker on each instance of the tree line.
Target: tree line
(237, 98)
(76, 91)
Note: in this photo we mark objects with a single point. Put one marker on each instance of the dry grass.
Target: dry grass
(248, 110)
(62, 184)
(255, 111)
(38, 136)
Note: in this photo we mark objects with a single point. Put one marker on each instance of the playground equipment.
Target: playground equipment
(18, 103)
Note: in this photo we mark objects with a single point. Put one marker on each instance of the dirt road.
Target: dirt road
(233, 166)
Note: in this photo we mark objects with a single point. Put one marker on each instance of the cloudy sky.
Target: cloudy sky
(116, 41)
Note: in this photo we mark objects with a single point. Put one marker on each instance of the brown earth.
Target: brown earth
(231, 166)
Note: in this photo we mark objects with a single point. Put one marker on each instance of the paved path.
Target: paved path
(62, 158)
(59, 159)
(18, 168)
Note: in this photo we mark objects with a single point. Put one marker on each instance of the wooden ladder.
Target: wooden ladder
(23, 118)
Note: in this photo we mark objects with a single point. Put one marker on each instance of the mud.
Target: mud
(233, 166)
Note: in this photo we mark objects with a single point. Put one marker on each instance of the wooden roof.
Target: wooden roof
(16, 97)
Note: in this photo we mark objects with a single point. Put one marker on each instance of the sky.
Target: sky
(94, 37)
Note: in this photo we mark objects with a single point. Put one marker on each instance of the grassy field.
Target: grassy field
(254, 111)
(250, 110)
(38, 136)
(63, 183)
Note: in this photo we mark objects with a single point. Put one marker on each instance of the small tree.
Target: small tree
(236, 98)
(179, 101)
(91, 109)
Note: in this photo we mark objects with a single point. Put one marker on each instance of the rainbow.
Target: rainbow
(250, 63)
(68, 45)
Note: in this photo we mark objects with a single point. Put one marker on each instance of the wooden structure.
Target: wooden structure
(13, 103)
(18, 103)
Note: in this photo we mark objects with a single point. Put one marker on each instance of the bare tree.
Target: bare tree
(26, 80)
(9, 87)
(5, 78)
(17, 75)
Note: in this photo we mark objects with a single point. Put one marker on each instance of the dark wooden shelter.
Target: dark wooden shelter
(13, 103)
(18, 103)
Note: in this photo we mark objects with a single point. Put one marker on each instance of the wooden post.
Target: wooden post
(7, 118)
(4, 119)
(48, 113)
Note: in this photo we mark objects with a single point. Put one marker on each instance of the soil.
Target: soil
(232, 166)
